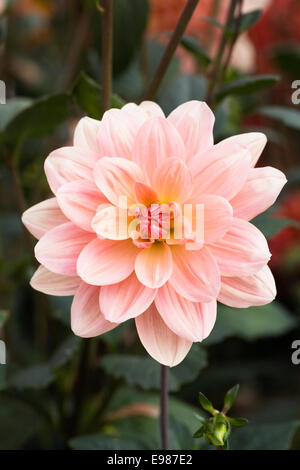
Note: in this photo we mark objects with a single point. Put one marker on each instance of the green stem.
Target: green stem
(171, 48)
(107, 52)
(164, 407)
(219, 56)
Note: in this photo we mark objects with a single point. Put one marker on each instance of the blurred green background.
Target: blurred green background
(58, 391)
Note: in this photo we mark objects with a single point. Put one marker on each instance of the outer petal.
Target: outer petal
(194, 121)
(42, 217)
(221, 171)
(153, 266)
(195, 274)
(242, 292)
(190, 320)
(117, 131)
(79, 201)
(152, 109)
(59, 248)
(86, 319)
(258, 193)
(160, 342)
(156, 140)
(104, 262)
(242, 251)
(125, 300)
(69, 164)
(51, 283)
(85, 134)
(115, 177)
(172, 180)
(255, 142)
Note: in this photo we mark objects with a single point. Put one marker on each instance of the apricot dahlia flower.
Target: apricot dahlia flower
(140, 268)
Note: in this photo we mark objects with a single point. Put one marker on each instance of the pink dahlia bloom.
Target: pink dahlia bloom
(124, 261)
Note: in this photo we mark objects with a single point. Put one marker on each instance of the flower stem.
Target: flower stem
(164, 407)
(220, 52)
(107, 52)
(171, 48)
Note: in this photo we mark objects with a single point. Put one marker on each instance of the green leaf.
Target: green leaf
(13, 107)
(275, 436)
(183, 88)
(191, 45)
(246, 22)
(237, 422)
(34, 377)
(270, 225)
(104, 442)
(251, 323)
(200, 432)
(18, 423)
(205, 403)
(145, 372)
(288, 59)
(65, 352)
(38, 120)
(247, 85)
(290, 117)
(130, 21)
(230, 397)
(86, 94)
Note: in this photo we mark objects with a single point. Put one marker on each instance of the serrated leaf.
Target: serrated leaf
(86, 94)
(230, 397)
(247, 85)
(191, 45)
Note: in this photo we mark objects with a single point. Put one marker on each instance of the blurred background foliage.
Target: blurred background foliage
(58, 391)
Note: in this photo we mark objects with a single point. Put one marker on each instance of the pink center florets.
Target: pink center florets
(154, 223)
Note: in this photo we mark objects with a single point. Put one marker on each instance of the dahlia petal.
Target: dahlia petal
(259, 192)
(110, 222)
(242, 251)
(144, 194)
(115, 177)
(79, 201)
(172, 180)
(86, 319)
(104, 262)
(152, 109)
(156, 140)
(117, 131)
(160, 342)
(243, 292)
(51, 283)
(222, 170)
(153, 265)
(195, 274)
(210, 217)
(69, 164)
(42, 217)
(255, 142)
(190, 320)
(194, 121)
(59, 248)
(125, 300)
(85, 134)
